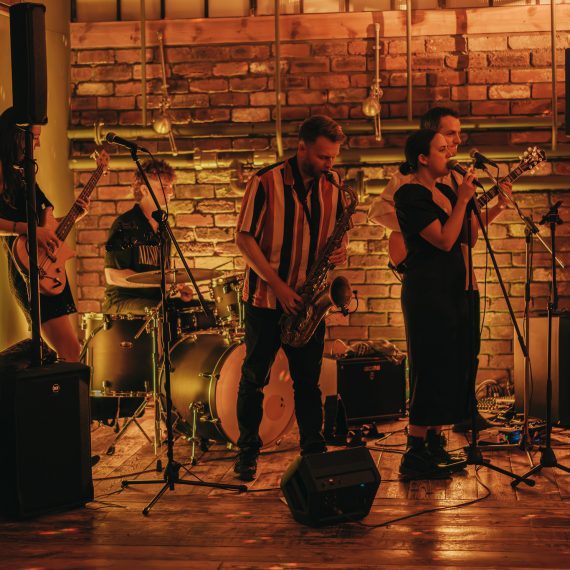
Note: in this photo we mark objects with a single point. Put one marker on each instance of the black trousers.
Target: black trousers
(262, 341)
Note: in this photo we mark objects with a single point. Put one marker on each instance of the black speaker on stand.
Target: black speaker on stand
(29, 68)
(330, 488)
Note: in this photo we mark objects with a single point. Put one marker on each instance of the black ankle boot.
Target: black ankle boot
(418, 462)
(436, 443)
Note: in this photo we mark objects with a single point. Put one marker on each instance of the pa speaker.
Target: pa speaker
(46, 453)
(328, 488)
(560, 369)
(29, 73)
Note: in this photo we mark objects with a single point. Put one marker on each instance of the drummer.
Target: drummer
(133, 248)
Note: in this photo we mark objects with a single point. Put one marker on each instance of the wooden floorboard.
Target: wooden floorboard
(196, 527)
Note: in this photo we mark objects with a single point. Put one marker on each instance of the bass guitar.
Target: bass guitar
(51, 264)
(529, 161)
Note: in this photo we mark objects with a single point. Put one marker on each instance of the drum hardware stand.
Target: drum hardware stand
(197, 408)
(474, 456)
(547, 456)
(172, 469)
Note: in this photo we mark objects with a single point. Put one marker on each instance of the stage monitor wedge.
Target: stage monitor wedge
(29, 65)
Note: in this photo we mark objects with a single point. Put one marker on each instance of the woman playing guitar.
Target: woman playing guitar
(56, 326)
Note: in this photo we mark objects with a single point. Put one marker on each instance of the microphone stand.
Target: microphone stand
(547, 456)
(33, 274)
(474, 456)
(531, 229)
(172, 469)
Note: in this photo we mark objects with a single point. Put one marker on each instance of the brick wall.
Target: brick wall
(479, 75)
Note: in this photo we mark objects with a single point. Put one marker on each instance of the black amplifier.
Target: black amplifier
(371, 387)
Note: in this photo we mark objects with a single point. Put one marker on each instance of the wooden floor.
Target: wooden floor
(201, 528)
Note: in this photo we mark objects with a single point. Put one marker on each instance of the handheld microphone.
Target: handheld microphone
(481, 159)
(454, 165)
(116, 139)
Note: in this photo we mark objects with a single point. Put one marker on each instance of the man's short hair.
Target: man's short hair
(154, 168)
(431, 119)
(320, 126)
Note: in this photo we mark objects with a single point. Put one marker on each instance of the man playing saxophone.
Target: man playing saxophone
(289, 210)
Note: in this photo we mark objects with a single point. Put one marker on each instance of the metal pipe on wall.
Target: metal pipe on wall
(224, 130)
(143, 62)
(278, 127)
(409, 81)
(554, 94)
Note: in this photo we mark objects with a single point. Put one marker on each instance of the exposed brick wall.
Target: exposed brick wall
(480, 76)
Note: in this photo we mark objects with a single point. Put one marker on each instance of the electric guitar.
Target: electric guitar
(51, 264)
(529, 161)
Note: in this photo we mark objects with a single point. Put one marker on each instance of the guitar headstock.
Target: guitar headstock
(102, 159)
(531, 158)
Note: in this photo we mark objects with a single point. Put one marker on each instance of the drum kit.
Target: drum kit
(124, 353)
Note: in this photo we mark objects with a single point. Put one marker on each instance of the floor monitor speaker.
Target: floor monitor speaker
(329, 488)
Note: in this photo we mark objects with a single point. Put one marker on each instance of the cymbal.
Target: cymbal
(177, 275)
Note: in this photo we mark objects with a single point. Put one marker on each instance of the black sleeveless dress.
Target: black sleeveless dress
(436, 315)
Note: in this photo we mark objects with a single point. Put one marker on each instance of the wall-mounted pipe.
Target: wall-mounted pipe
(554, 94)
(225, 130)
(143, 63)
(211, 160)
(278, 128)
(409, 78)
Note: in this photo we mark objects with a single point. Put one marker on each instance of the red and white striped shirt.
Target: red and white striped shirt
(272, 212)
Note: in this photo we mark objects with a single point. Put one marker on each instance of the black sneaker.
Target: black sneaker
(420, 464)
(436, 443)
(245, 466)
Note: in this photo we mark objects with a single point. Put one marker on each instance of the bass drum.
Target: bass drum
(206, 369)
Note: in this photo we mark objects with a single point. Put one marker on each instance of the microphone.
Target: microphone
(454, 165)
(116, 139)
(481, 159)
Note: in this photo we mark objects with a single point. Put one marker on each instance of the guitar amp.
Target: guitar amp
(371, 387)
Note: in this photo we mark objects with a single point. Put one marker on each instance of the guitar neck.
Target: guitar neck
(494, 190)
(68, 222)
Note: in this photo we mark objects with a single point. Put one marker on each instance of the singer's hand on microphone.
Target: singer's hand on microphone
(466, 188)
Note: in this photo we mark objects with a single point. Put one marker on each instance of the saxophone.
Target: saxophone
(318, 296)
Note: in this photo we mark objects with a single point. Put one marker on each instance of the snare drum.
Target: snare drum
(206, 369)
(121, 365)
(226, 293)
(190, 320)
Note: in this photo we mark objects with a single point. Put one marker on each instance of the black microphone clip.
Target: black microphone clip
(481, 159)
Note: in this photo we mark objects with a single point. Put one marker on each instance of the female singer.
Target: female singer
(435, 304)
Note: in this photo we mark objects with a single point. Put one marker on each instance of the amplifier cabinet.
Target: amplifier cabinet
(560, 368)
(44, 422)
(371, 387)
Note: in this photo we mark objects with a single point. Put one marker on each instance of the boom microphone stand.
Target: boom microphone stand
(547, 456)
(172, 469)
(474, 456)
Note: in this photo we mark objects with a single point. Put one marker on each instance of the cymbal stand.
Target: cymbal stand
(172, 470)
(547, 456)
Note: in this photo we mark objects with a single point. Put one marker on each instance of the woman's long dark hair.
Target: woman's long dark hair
(11, 142)
(416, 144)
